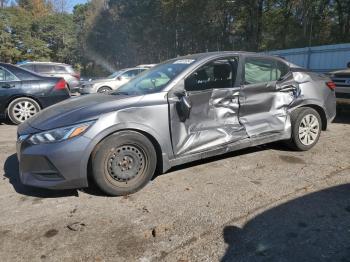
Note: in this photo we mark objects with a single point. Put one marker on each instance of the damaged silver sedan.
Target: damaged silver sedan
(182, 110)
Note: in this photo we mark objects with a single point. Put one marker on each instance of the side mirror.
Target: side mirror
(348, 65)
(119, 78)
(183, 108)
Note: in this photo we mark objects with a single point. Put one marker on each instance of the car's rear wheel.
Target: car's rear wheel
(21, 109)
(104, 89)
(306, 128)
(123, 163)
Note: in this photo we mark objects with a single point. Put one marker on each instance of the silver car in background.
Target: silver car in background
(112, 82)
(342, 80)
(55, 70)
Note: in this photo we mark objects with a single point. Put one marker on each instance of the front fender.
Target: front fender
(108, 125)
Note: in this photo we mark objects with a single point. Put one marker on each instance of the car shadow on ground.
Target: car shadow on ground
(343, 114)
(315, 227)
(5, 121)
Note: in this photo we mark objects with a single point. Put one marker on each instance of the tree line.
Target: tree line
(104, 35)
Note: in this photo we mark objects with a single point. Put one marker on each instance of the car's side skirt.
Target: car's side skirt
(244, 143)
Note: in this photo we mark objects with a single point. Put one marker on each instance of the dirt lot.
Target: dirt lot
(262, 204)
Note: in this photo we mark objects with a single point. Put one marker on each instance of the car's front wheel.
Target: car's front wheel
(104, 89)
(123, 163)
(21, 109)
(306, 128)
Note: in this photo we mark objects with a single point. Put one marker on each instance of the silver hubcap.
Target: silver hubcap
(309, 129)
(24, 110)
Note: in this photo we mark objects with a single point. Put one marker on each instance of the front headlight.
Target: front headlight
(60, 134)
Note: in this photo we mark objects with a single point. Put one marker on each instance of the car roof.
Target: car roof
(43, 63)
(131, 68)
(216, 54)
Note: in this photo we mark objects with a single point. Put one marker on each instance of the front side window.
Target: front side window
(6, 75)
(220, 73)
(130, 73)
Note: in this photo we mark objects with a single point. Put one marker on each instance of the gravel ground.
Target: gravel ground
(260, 204)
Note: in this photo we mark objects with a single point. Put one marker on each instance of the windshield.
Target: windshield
(114, 75)
(154, 80)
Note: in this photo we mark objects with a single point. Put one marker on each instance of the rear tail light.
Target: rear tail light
(60, 85)
(331, 85)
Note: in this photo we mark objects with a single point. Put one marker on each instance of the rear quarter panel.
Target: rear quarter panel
(314, 91)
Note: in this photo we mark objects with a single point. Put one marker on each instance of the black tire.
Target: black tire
(14, 107)
(297, 117)
(123, 163)
(104, 89)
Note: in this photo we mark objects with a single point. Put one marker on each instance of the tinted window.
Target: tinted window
(282, 68)
(60, 69)
(6, 75)
(217, 74)
(28, 67)
(262, 70)
(44, 69)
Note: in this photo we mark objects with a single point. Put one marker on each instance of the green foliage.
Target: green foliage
(29, 35)
(104, 35)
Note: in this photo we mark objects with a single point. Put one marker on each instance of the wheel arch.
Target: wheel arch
(21, 96)
(320, 110)
(163, 163)
(104, 86)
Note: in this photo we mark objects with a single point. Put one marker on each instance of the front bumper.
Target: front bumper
(85, 91)
(61, 165)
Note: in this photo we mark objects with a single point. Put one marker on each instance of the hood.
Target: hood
(79, 109)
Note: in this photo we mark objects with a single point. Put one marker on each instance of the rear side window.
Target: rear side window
(60, 69)
(6, 75)
(262, 70)
(44, 69)
(28, 67)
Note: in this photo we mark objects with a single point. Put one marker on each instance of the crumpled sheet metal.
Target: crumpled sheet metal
(234, 114)
(267, 111)
(210, 124)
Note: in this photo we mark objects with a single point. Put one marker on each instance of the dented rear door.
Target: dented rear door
(268, 90)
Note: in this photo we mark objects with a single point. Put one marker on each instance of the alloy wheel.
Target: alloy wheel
(309, 129)
(24, 110)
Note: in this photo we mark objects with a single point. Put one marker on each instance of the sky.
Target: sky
(72, 3)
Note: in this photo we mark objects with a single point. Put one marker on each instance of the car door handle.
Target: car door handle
(7, 86)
